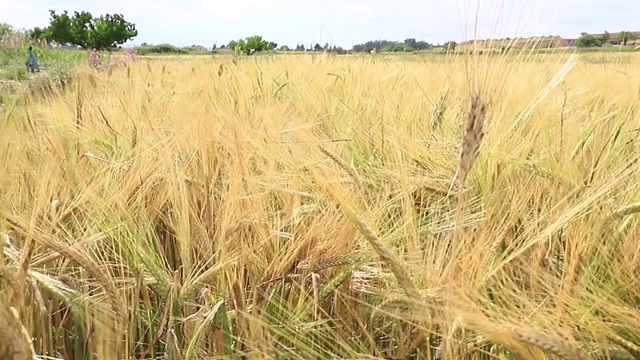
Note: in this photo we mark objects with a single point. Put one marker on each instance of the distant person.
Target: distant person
(32, 60)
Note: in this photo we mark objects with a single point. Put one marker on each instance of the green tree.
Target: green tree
(450, 45)
(411, 42)
(85, 31)
(36, 33)
(81, 26)
(586, 40)
(238, 46)
(111, 30)
(251, 45)
(59, 29)
(605, 37)
(625, 36)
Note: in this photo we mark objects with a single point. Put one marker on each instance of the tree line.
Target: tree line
(108, 31)
(589, 40)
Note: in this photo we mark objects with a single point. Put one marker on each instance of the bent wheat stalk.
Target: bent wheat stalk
(557, 346)
(471, 140)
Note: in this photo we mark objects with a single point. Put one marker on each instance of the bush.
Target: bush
(587, 40)
(398, 48)
(160, 49)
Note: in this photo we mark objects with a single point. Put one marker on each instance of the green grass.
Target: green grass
(58, 63)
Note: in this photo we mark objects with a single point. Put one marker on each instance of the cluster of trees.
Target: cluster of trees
(316, 47)
(393, 46)
(107, 31)
(86, 31)
(588, 40)
(379, 45)
(251, 44)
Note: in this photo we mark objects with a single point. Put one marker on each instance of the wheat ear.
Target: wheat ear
(471, 140)
(557, 346)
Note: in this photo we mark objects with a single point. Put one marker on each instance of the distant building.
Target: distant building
(613, 38)
(536, 41)
(541, 41)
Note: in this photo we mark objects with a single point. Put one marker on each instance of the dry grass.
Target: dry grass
(298, 208)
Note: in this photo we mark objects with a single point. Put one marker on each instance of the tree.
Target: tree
(422, 45)
(36, 33)
(586, 40)
(625, 36)
(411, 42)
(605, 37)
(106, 31)
(450, 45)
(251, 45)
(59, 29)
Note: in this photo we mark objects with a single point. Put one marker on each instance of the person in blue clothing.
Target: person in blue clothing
(32, 60)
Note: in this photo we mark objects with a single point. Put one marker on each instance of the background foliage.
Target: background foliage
(86, 31)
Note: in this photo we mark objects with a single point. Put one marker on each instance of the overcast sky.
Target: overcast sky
(339, 22)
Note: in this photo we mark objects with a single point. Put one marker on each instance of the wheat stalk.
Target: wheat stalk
(439, 108)
(343, 165)
(387, 257)
(630, 347)
(86, 262)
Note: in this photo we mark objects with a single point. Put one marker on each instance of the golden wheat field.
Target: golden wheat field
(304, 207)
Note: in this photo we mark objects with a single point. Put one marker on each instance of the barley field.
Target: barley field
(325, 207)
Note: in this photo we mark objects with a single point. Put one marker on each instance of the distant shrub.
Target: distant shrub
(587, 40)
(160, 49)
(398, 48)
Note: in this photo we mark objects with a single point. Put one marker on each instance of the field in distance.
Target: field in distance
(302, 207)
